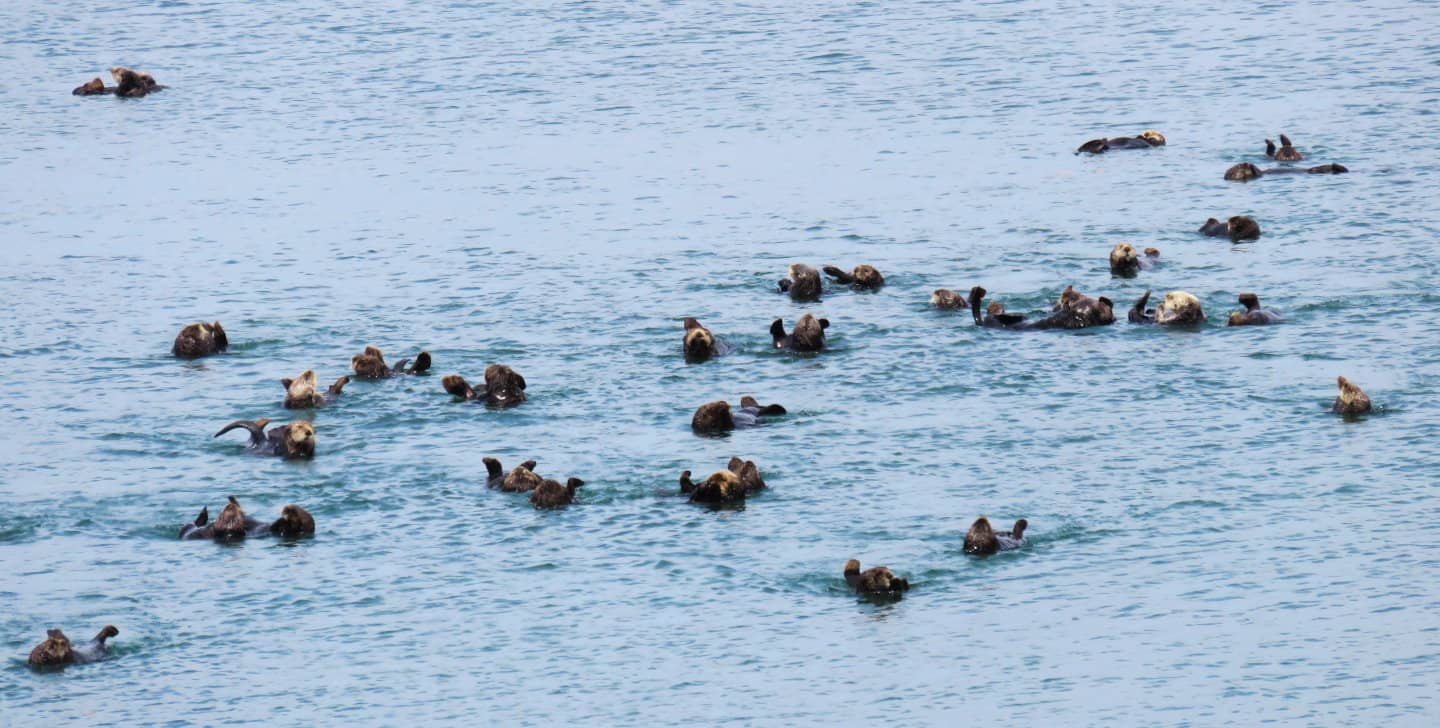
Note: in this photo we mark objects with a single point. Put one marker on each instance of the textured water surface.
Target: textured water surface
(556, 187)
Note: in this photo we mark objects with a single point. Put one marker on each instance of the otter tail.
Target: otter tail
(256, 429)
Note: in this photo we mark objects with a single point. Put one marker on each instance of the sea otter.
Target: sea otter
(1253, 315)
(808, 334)
(1286, 153)
(56, 651)
(1245, 171)
(1178, 309)
(233, 524)
(133, 84)
(520, 480)
(1237, 228)
(717, 417)
(295, 440)
(1351, 401)
(300, 392)
(946, 299)
(863, 278)
(982, 539)
(371, 365)
(876, 581)
(1073, 310)
(551, 494)
(803, 283)
(1124, 262)
(198, 339)
(700, 344)
(93, 87)
(1146, 139)
(504, 387)
(739, 479)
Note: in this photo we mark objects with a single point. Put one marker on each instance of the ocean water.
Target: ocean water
(555, 187)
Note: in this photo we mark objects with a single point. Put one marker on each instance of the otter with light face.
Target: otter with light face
(1286, 153)
(371, 365)
(802, 283)
(233, 524)
(1253, 315)
(133, 84)
(504, 387)
(1073, 310)
(520, 480)
(1351, 401)
(739, 479)
(947, 300)
(1178, 309)
(713, 417)
(551, 494)
(863, 278)
(1237, 228)
(1124, 262)
(875, 581)
(700, 344)
(983, 540)
(301, 392)
(1146, 139)
(56, 652)
(197, 340)
(295, 440)
(808, 334)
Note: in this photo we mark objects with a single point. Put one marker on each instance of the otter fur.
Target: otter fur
(301, 393)
(699, 343)
(808, 334)
(1124, 261)
(982, 539)
(802, 283)
(1352, 401)
(371, 365)
(739, 479)
(1245, 171)
(93, 87)
(551, 494)
(946, 299)
(133, 84)
(233, 524)
(1237, 228)
(1286, 153)
(57, 652)
(199, 339)
(1253, 315)
(295, 440)
(717, 416)
(863, 278)
(520, 480)
(1146, 139)
(1073, 310)
(504, 387)
(1179, 308)
(875, 581)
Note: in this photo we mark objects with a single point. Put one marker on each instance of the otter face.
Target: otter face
(503, 386)
(55, 651)
(1352, 401)
(699, 343)
(867, 277)
(370, 365)
(945, 298)
(300, 392)
(1179, 308)
(852, 566)
(803, 283)
(713, 417)
(1123, 261)
(1242, 172)
(1243, 227)
(118, 73)
(1153, 138)
(300, 440)
(722, 486)
(294, 521)
(995, 309)
(980, 539)
(91, 88)
(231, 523)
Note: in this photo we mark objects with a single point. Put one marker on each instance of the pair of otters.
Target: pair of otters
(544, 493)
(981, 540)
(128, 84)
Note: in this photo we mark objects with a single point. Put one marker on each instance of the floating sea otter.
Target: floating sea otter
(57, 651)
(1073, 310)
(700, 344)
(1147, 139)
(808, 334)
(874, 581)
(1124, 262)
(199, 339)
(946, 299)
(295, 440)
(802, 283)
(233, 524)
(717, 417)
(863, 278)
(1237, 228)
(520, 480)
(504, 387)
(1245, 171)
(300, 392)
(128, 83)
(1178, 309)
(1351, 401)
(551, 494)
(371, 365)
(739, 479)
(1253, 315)
(1286, 153)
(982, 539)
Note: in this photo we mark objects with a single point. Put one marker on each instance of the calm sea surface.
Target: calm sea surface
(556, 186)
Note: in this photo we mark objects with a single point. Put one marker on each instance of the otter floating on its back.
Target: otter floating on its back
(875, 581)
(1253, 315)
(807, 336)
(1124, 262)
(739, 479)
(57, 651)
(234, 525)
(504, 387)
(200, 339)
(371, 365)
(802, 283)
(981, 539)
(1179, 308)
(1352, 401)
(295, 440)
(863, 278)
(301, 392)
(714, 417)
(1146, 139)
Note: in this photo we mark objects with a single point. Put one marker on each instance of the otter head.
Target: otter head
(90, 88)
(867, 277)
(300, 440)
(300, 392)
(852, 567)
(1123, 260)
(503, 385)
(722, 485)
(803, 283)
(231, 523)
(53, 652)
(995, 308)
(1243, 227)
(1352, 401)
(699, 342)
(947, 299)
(1242, 172)
(370, 365)
(119, 73)
(294, 521)
(1153, 138)
(1179, 308)
(1250, 301)
(713, 417)
(1070, 297)
(980, 539)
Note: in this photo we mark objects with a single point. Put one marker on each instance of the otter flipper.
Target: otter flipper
(256, 429)
(840, 276)
(337, 386)
(1270, 147)
(686, 485)
(1284, 141)
(977, 296)
(1137, 312)
(456, 385)
(422, 363)
(204, 516)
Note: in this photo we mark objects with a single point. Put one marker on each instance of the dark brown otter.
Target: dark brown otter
(1253, 315)
(198, 339)
(294, 521)
(1242, 172)
(1146, 139)
(371, 365)
(808, 334)
(56, 651)
(133, 84)
(803, 283)
(233, 524)
(1286, 153)
(1124, 261)
(295, 440)
(93, 87)
(699, 343)
(1237, 228)
(877, 580)
(982, 539)
(1318, 169)
(1178, 309)
(717, 416)
(864, 277)
(1073, 310)
(944, 298)
(739, 479)
(520, 480)
(1351, 401)
(300, 393)
(504, 387)
(551, 494)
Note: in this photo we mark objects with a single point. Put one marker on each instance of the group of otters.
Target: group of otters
(504, 387)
